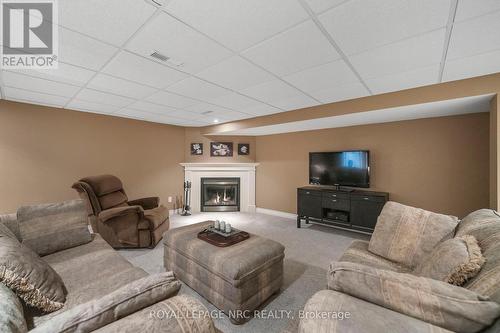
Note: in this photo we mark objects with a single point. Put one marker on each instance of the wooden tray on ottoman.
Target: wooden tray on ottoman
(222, 241)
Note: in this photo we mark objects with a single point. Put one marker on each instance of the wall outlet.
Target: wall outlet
(170, 199)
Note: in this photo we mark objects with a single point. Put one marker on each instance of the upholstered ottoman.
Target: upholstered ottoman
(236, 279)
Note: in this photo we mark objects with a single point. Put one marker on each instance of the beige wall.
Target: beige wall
(494, 153)
(194, 135)
(440, 164)
(44, 150)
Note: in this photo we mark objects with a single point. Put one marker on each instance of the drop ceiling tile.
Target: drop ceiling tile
(135, 68)
(475, 36)
(183, 114)
(95, 96)
(32, 97)
(113, 21)
(360, 25)
(65, 73)
(238, 24)
(150, 107)
(295, 102)
(406, 55)
(206, 107)
(129, 113)
(87, 106)
(319, 6)
(179, 42)
(234, 101)
(38, 85)
(121, 87)
(322, 77)
(261, 109)
(400, 81)
(198, 89)
(275, 90)
(483, 64)
(341, 93)
(170, 99)
(235, 73)
(83, 51)
(298, 48)
(472, 8)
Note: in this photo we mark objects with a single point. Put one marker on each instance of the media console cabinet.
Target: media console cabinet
(355, 210)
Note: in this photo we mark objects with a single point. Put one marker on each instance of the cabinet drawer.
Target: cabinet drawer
(367, 198)
(339, 204)
(313, 193)
(335, 195)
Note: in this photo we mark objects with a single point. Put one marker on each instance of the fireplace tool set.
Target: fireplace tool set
(186, 209)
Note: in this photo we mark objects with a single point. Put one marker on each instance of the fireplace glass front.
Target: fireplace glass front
(220, 194)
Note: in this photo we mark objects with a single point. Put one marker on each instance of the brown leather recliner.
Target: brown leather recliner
(122, 223)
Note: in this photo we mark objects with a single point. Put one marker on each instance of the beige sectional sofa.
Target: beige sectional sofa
(95, 278)
(381, 295)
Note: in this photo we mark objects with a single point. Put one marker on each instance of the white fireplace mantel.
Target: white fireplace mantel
(193, 172)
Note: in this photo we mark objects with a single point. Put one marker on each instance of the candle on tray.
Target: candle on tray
(217, 224)
(228, 228)
(222, 226)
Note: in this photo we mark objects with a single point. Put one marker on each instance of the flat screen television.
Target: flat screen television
(341, 168)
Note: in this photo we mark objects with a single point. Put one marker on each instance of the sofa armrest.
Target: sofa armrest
(111, 213)
(436, 302)
(331, 311)
(146, 203)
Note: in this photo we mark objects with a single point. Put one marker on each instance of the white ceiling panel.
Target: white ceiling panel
(472, 8)
(234, 101)
(206, 107)
(341, 92)
(301, 47)
(80, 105)
(322, 77)
(83, 51)
(183, 114)
(238, 24)
(319, 6)
(400, 81)
(294, 102)
(64, 73)
(412, 53)
(34, 97)
(136, 114)
(95, 96)
(170, 99)
(135, 68)
(275, 90)
(179, 42)
(150, 107)
(113, 21)
(475, 36)
(261, 109)
(121, 87)
(38, 85)
(360, 25)
(235, 73)
(199, 89)
(486, 63)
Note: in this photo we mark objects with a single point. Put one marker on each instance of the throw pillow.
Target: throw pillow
(49, 228)
(454, 308)
(25, 273)
(11, 312)
(406, 234)
(454, 261)
(120, 303)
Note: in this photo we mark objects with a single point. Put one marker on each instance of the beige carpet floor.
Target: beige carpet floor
(309, 251)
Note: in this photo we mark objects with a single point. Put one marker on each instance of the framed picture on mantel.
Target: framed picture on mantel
(221, 149)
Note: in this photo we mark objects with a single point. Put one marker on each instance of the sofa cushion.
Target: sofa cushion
(11, 312)
(484, 225)
(436, 302)
(454, 261)
(128, 299)
(48, 228)
(358, 253)
(406, 234)
(10, 221)
(30, 277)
(89, 271)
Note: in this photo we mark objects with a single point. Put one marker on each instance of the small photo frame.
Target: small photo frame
(221, 149)
(196, 148)
(243, 149)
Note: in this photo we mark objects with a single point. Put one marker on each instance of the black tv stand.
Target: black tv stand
(344, 208)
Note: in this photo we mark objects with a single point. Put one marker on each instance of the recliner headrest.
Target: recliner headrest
(103, 184)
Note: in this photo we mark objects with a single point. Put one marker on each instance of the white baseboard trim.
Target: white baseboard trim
(276, 213)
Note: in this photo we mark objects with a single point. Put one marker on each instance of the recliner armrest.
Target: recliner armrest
(146, 203)
(108, 214)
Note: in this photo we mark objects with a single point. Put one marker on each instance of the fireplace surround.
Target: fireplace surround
(220, 194)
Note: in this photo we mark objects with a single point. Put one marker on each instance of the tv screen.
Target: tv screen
(345, 168)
